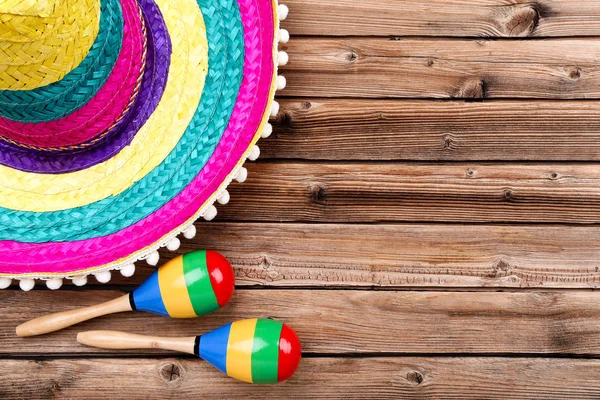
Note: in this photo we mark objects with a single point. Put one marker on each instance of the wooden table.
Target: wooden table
(426, 216)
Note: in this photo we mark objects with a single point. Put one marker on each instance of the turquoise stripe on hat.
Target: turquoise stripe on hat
(226, 54)
(61, 98)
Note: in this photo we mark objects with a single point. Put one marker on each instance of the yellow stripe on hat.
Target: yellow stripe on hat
(239, 349)
(173, 289)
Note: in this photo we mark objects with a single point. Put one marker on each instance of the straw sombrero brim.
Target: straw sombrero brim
(123, 209)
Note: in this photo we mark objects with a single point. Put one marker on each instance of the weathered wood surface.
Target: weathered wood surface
(443, 68)
(403, 256)
(350, 378)
(398, 192)
(337, 129)
(350, 322)
(495, 18)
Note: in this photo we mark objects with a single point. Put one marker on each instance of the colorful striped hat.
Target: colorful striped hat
(122, 122)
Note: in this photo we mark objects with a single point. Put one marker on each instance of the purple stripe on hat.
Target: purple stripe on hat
(158, 58)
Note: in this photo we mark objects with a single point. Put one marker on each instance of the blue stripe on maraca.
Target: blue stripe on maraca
(213, 347)
(147, 297)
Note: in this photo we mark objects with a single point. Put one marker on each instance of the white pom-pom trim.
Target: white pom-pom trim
(284, 36)
(103, 276)
(210, 213)
(173, 244)
(79, 280)
(283, 11)
(5, 283)
(254, 153)
(281, 82)
(190, 232)
(54, 284)
(274, 109)
(282, 58)
(223, 197)
(128, 270)
(26, 284)
(242, 175)
(267, 131)
(153, 258)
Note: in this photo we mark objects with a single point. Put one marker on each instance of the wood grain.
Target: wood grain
(495, 18)
(338, 129)
(347, 192)
(350, 378)
(443, 68)
(398, 256)
(344, 321)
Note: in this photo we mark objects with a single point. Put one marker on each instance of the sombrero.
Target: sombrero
(122, 122)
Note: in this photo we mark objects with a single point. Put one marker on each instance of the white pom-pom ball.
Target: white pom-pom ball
(281, 82)
(153, 258)
(26, 284)
(103, 277)
(282, 58)
(284, 36)
(210, 213)
(242, 175)
(274, 109)
(128, 270)
(79, 280)
(254, 153)
(5, 282)
(223, 197)
(173, 244)
(54, 284)
(267, 131)
(190, 232)
(282, 11)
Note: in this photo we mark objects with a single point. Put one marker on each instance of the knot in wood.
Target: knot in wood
(470, 173)
(351, 56)
(318, 193)
(170, 372)
(508, 195)
(520, 20)
(574, 73)
(471, 89)
(415, 377)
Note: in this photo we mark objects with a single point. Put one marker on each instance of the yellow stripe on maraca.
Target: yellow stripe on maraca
(174, 291)
(239, 349)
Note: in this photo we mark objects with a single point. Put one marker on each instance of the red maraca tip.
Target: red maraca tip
(290, 353)
(222, 277)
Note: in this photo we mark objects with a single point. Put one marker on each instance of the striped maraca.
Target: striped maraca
(251, 350)
(188, 286)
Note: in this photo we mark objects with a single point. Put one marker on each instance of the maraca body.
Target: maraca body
(186, 287)
(252, 350)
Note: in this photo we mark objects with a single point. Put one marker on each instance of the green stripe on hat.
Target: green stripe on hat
(265, 351)
(198, 283)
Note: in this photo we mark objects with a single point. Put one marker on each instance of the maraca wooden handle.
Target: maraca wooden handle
(121, 340)
(54, 322)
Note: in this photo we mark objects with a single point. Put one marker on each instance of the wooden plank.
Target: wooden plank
(348, 192)
(345, 322)
(496, 18)
(443, 68)
(348, 378)
(337, 129)
(398, 256)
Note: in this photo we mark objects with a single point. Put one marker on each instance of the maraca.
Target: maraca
(188, 286)
(251, 350)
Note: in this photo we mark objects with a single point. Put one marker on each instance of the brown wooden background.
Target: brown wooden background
(426, 216)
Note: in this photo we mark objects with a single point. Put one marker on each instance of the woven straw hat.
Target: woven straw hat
(121, 123)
